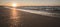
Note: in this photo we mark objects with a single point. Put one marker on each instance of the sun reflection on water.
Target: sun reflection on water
(14, 19)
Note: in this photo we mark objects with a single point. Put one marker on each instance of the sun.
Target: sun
(14, 4)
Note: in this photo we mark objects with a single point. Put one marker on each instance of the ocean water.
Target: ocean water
(47, 10)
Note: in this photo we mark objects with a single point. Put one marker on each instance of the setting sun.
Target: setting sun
(14, 4)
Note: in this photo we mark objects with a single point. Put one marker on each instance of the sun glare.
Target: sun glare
(14, 5)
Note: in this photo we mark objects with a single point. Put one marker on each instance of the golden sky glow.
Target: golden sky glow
(31, 2)
(14, 4)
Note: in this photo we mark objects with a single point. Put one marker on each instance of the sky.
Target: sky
(32, 2)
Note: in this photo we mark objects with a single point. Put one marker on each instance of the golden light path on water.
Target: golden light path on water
(14, 18)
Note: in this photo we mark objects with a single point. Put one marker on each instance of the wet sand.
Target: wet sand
(25, 19)
(34, 20)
